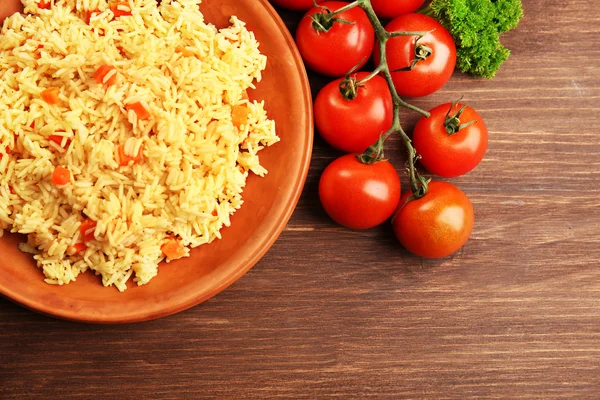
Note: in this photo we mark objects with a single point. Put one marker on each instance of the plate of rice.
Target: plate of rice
(150, 151)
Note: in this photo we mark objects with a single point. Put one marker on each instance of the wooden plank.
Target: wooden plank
(332, 313)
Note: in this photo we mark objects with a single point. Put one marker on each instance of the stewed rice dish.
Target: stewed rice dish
(126, 133)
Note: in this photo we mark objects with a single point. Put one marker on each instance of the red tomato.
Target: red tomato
(429, 74)
(446, 150)
(342, 47)
(296, 5)
(389, 9)
(353, 125)
(357, 195)
(437, 224)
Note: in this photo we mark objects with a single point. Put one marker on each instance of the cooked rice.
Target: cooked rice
(195, 161)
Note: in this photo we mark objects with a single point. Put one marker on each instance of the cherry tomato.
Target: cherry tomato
(445, 149)
(353, 125)
(296, 5)
(437, 224)
(430, 73)
(342, 47)
(357, 195)
(389, 9)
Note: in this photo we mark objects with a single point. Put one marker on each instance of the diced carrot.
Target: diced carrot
(124, 159)
(76, 249)
(37, 51)
(32, 125)
(61, 176)
(121, 9)
(87, 16)
(184, 52)
(44, 4)
(173, 249)
(60, 140)
(139, 110)
(215, 212)
(103, 72)
(239, 115)
(50, 95)
(87, 228)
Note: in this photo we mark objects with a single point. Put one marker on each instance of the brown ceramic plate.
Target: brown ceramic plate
(269, 202)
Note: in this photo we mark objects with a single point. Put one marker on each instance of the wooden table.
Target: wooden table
(336, 313)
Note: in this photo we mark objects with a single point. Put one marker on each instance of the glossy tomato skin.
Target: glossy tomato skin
(429, 75)
(436, 225)
(353, 125)
(450, 155)
(388, 9)
(357, 195)
(295, 5)
(343, 47)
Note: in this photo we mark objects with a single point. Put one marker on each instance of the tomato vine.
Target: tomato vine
(375, 152)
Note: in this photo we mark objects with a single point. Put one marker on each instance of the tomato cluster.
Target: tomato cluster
(358, 111)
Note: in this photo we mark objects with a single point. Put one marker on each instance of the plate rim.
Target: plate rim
(258, 252)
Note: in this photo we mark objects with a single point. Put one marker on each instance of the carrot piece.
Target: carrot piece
(245, 95)
(173, 249)
(44, 4)
(37, 51)
(87, 16)
(59, 140)
(102, 72)
(184, 52)
(61, 176)
(87, 228)
(50, 95)
(139, 110)
(121, 9)
(124, 159)
(239, 115)
(76, 249)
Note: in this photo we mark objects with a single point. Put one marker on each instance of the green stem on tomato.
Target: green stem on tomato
(343, 9)
(417, 183)
(375, 152)
(323, 22)
(427, 10)
(367, 78)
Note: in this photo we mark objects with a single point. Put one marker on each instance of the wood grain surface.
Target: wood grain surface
(333, 313)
